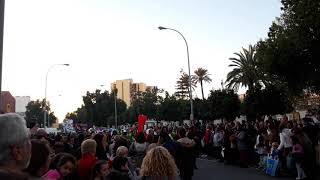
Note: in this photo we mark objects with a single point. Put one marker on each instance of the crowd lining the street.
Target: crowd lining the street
(160, 152)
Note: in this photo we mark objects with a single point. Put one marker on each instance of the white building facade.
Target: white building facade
(21, 103)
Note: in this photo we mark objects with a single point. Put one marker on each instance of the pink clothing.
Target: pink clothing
(52, 174)
(297, 148)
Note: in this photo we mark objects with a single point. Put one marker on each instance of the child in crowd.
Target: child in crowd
(100, 170)
(274, 150)
(63, 168)
(298, 156)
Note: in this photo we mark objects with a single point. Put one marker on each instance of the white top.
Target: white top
(285, 138)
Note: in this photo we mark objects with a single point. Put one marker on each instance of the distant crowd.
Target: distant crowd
(160, 152)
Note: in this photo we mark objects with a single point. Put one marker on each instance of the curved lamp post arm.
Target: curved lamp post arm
(45, 92)
(190, 88)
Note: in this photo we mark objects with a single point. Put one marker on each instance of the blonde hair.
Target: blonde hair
(88, 146)
(122, 151)
(159, 163)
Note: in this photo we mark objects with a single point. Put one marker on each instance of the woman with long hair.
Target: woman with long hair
(158, 164)
(101, 141)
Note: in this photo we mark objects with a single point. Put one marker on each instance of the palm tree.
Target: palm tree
(245, 70)
(202, 75)
(182, 86)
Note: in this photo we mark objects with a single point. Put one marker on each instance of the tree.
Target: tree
(291, 51)
(98, 109)
(183, 85)
(174, 109)
(202, 75)
(35, 112)
(224, 104)
(246, 71)
(269, 101)
(146, 103)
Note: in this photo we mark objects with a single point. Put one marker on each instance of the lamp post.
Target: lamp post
(45, 94)
(190, 88)
(2, 6)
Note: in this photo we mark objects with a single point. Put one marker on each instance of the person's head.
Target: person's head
(150, 138)
(151, 146)
(140, 137)
(121, 141)
(98, 138)
(58, 138)
(15, 145)
(158, 163)
(290, 125)
(275, 145)
(100, 169)
(32, 125)
(120, 163)
(40, 158)
(182, 133)
(122, 151)
(88, 147)
(41, 134)
(66, 164)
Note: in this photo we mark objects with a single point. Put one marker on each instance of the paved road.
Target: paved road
(211, 170)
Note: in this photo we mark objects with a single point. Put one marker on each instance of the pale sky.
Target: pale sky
(106, 40)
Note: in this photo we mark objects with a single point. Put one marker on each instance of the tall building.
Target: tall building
(123, 89)
(8, 103)
(126, 88)
(21, 103)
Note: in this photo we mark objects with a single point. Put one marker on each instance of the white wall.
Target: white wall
(21, 103)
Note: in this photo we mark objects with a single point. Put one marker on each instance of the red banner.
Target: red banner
(141, 121)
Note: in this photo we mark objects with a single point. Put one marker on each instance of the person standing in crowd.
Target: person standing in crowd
(138, 150)
(158, 164)
(101, 141)
(208, 140)
(261, 148)
(86, 163)
(40, 160)
(15, 147)
(187, 163)
(217, 143)
(100, 170)
(298, 155)
(123, 151)
(242, 142)
(285, 146)
(63, 169)
(120, 169)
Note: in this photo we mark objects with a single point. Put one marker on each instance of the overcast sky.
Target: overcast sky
(106, 40)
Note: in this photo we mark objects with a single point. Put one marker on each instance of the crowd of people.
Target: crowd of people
(160, 152)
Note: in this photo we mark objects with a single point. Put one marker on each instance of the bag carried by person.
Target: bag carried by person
(272, 166)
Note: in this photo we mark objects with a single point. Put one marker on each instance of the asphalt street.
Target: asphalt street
(212, 170)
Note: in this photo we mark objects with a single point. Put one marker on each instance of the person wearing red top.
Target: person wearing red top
(88, 160)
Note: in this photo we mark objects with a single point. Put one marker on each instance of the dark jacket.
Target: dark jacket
(118, 175)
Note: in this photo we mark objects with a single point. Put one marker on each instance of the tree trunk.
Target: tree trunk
(202, 89)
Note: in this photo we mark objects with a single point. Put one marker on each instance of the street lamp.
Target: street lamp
(115, 106)
(190, 88)
(45, 94)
